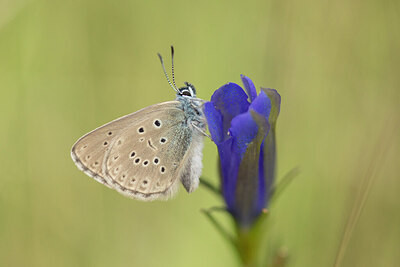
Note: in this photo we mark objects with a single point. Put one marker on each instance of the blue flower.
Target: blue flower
(243, 128)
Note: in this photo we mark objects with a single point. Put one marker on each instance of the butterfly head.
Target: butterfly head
(187, 91)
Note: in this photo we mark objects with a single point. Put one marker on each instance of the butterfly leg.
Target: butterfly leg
(200, 130)
(200, 106)
(200, 100)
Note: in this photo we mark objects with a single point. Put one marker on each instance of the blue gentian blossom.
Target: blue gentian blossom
(243, 128)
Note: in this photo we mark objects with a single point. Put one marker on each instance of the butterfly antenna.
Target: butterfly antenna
(165, 72)
(173, 74)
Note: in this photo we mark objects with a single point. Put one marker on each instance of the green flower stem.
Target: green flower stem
(228, 237)
(248, 241)
(283, 183)
(246, 247)
(205, 183)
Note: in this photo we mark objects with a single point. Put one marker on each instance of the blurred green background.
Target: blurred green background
(67, 67)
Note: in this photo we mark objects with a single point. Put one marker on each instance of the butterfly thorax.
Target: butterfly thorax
(191, 106)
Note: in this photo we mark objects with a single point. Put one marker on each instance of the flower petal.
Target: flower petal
(269, 145)
(229, 163)
(249, 86)
(243, 128)
(244, 188)
(250, 194)
(231, 152)
(263, 189)
(214, 122)
(262, 104)
(230, 100)
(269, 160)
(275, 98)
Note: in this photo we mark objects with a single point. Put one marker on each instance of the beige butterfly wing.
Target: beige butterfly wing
(146, 154)
(153, 154)
(89, 151)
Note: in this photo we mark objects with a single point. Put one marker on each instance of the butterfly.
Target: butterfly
(145, 155)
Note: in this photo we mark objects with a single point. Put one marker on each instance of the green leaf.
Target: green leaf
(208, 185)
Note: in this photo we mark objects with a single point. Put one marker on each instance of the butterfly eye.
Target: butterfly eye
(186, 93)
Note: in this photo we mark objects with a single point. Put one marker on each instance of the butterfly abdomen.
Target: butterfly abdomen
(191, 170)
